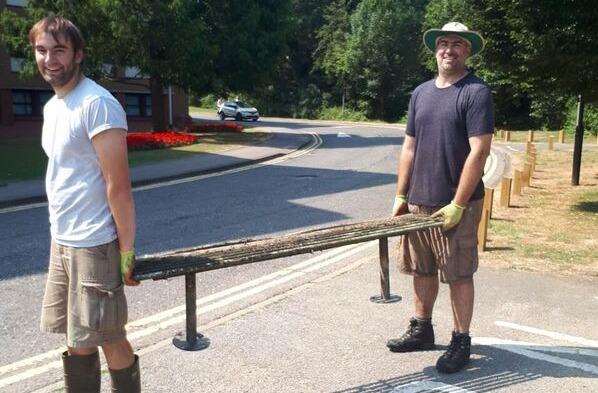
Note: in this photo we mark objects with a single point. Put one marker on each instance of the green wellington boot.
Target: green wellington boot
(126, 380)
(81, 373)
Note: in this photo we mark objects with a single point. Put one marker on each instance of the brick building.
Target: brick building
(22, 101)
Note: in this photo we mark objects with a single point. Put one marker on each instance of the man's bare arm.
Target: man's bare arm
(473, 168)
(403, 176)
(405, 165)
(111, 148)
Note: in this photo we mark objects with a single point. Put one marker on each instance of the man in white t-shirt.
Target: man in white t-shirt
(92, 215)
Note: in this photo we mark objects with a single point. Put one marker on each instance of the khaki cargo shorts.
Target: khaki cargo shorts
(85, 296)
(453, 254)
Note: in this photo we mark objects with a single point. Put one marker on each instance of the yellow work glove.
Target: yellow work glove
(451, 213)
(399, 206)
(127, 263)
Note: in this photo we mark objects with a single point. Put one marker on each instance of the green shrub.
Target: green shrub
(208, 102)
(590, 118)
(336, 113)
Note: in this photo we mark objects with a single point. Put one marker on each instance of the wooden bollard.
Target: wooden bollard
(488, 200)
(483, 230)
(561, 136)
(532, 161)
(550, 142)
(530, 136)
(528, 147)
(517, 178)
(527, 173)
(507, 136)
(505, 192)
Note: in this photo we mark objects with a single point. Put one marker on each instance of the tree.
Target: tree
(203, 46)
(382, 54)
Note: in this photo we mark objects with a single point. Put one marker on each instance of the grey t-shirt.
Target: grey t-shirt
(442, 120)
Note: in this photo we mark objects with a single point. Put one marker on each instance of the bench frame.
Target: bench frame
(176, 263)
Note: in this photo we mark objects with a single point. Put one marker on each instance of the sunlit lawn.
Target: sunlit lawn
(24, 159)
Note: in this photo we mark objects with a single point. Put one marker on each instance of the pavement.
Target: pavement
(279, 144)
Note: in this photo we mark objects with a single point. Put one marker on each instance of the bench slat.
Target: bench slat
(223, 255)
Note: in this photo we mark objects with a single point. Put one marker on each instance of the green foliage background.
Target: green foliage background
(339, 58)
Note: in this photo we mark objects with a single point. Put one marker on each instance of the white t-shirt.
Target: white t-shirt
(76, 190)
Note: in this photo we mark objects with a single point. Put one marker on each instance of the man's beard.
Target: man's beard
(61, 79)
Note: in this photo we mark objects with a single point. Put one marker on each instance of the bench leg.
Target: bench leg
(385, 295)
(193, 341)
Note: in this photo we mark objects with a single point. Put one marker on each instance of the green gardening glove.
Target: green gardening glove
(452, 214)
(399, 206)
(127, 263)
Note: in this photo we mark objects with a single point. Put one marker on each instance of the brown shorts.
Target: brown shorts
(85, 296)
(452, 254)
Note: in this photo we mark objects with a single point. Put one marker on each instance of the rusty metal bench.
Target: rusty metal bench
(190, 261)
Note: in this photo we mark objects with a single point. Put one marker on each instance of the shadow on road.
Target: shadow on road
(491, 369)
(263, 201)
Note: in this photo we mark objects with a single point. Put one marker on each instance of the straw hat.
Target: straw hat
(475, 38)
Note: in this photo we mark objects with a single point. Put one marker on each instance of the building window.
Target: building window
(138, 104)
(44, 97)
(22, 103)
(30, 102)
(132, 72)
(17, 3)
(16, 64)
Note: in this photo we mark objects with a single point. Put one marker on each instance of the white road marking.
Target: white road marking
(237, 314)
(559, 336)
(546, 348)
(343, 135)
(531, 352)
(315, 143)
(427, 386)
(292, 273)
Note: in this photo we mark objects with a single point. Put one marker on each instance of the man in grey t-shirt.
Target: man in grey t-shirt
(448, 136)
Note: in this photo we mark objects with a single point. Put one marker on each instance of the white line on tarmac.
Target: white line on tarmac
(426, 386)
(176, 310)
(315, 143)
(292, 274)
(227, 318)
(559, 336)
(143, 322)
(531, 352)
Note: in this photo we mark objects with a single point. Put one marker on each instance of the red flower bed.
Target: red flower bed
(221, 126)
(159, 140)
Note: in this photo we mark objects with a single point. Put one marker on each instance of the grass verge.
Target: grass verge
(552, 226)
(24, 159)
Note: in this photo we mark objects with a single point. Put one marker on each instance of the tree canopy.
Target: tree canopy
(300, 57)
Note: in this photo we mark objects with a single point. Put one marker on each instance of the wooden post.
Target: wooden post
(507, 136)
(505, 192)
(501, 134)
(483, 230)
(488, 200)
(550, 142)
(528, 147)
(530, 136)
(517, 177)
(561, 136)
(527, 173)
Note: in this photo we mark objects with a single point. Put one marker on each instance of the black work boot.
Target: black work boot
(456, 355)
(81, 373)
(418, 337)
(127, 380)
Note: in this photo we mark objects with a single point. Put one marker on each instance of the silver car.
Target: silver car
(239, 110)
